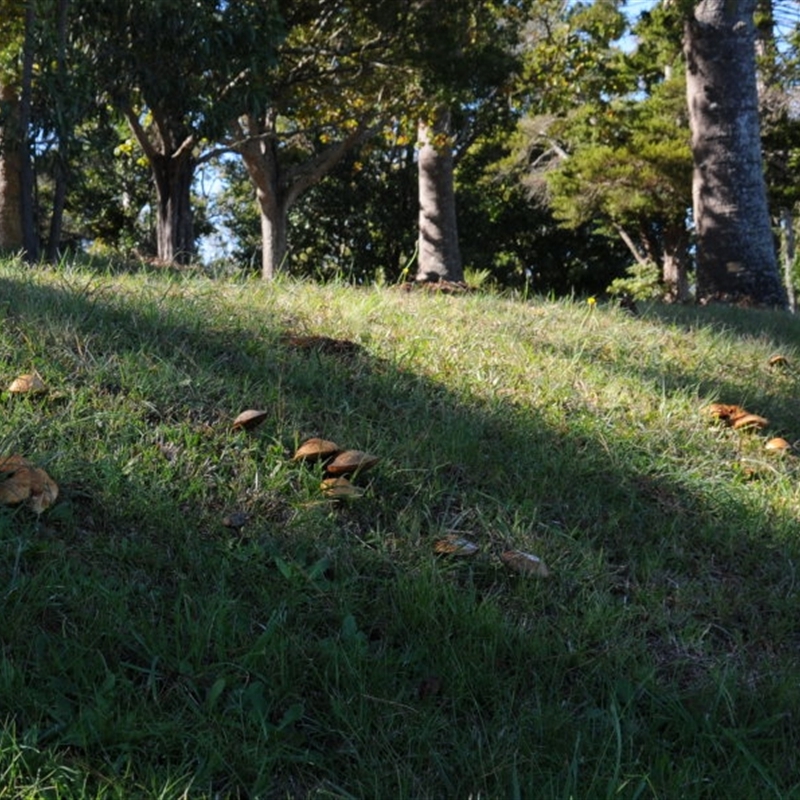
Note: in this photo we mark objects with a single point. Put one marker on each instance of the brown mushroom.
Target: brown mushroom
(338, 488)
(316, 449)
(351, 461)
(250, 419)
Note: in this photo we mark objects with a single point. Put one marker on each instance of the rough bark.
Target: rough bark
(174, 218)
(10, 162)
(788, 254)
(439, 255)
(64, 134)
(736, 258)
(172, 164)
(674, 269)
(57, 216)
(30, 235)
(674, 258)
(278, 187)
(260, 157)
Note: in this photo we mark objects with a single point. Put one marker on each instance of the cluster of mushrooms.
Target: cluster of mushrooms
(340, 466)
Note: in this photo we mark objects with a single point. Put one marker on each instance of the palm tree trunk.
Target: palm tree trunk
(736, 258)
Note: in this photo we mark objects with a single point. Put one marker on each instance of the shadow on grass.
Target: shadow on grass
(325, 644)
(782, 328)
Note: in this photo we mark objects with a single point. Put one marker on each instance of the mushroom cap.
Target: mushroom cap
(351, 461)
(778, 445)
(249, 419)
(340, 487)
(315, 449)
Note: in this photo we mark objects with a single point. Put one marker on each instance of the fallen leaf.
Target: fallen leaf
(525, 563)
(455, 545)
(351, 461)
(31, 383)
(315, 449)
(250, 419)
(236, 519)
(340, 487)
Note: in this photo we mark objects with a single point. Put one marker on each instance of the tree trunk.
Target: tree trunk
(169, 154)
(788, 253)
(439, 253)
(10, 165)
(277, 187)
(261, 160)
(57, 216)
(174, 220)
(30, 234)
(64, 134)
(735, 250)
(274, 235)
(676, 258)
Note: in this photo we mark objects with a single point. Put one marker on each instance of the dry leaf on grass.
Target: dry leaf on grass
(778, 360)
(13, 463)
(30, 383)
(351, 461)
(315, 449)
(455, 545)
(250, 419)
(236, 519)
(725, 412)
(525, 563)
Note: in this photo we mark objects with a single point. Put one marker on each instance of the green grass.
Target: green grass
(325, 650)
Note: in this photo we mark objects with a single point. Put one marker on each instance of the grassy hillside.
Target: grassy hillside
(324, 648)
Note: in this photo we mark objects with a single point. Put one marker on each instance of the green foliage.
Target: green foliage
(360, 224)
(11, 33)
(569, 58)
(460, 52)
(642, 281)
(196, 65)
(779, 72)
(610, 147)
(636, 165)
(519, 240)
(108, 192)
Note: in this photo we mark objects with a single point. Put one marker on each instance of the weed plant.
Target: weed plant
(324, 649)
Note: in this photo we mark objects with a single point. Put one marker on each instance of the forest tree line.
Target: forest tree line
(560, 147)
